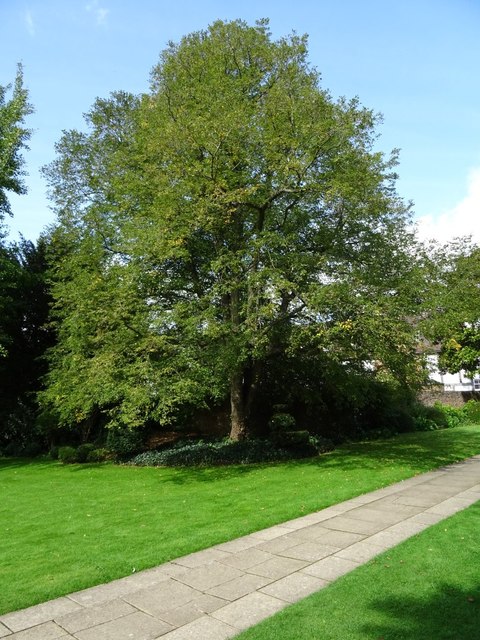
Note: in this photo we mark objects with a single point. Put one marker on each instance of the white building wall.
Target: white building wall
(451, 381)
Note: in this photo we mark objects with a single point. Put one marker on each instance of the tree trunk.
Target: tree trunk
(243, 394)
(238, 429)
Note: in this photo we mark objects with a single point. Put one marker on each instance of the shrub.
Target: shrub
(83, 451)
(453, 416)
(428, 418)
(440, 416)
(222, 452)
(53, 453)
(124, 442)
(281, 421)
(321, 444)
(32, 449)
(98, 455)
(471, 411)
(67, 455)
(13, 450)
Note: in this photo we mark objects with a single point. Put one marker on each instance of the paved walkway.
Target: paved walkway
(216, 593)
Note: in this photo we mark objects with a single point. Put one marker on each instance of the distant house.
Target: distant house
(459, 382)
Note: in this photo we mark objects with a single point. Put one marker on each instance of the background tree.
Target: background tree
(455, 302)
(24, 297)
(24, 330)
(13, 138)
(234, 215)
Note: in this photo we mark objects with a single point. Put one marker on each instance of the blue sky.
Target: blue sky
(417, 62)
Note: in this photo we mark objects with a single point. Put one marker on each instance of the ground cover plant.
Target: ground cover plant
(67, 527)
(428, 587)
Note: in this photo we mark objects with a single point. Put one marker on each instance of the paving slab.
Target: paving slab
(4, 631)
(26, 618)
(247, 558)
(360, 552)
(315, 518)
(309, 551)
(352, 525)
(426, 518)
(45, 631)
(330, 568)
(201, 558)
(283, 542)
(249, 610)
(426, 500)
(136, 626)
(239, 587)
(203, 578)
(388, 504)
(278, 567)
(294, 587)
(193, 610)
(271, 533)
(162, 598)
(103, 593)
(370, 514)
(388, 539)
(92, 616)
(239, 544)
(206, 628)
(450, 506)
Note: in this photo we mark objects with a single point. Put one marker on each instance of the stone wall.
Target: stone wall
(436, 393)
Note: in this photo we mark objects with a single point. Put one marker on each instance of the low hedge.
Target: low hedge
(203, 453)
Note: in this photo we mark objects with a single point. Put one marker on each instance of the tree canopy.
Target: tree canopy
(13, 138)
(234, 217)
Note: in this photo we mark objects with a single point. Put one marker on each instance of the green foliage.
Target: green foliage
(454, 318)
(84, 451)
(13, 137)
(461, 351)
(454, 416)
(321, 444)
(53, 453)
(24, 305)
(224, 452)
(428, 418)
(99, 455)
(67, 455)
(471, 411)
(124, 442)
(440, 416)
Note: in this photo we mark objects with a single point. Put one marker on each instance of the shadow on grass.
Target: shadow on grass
(19, 463)
(451, 614)
(418, 451)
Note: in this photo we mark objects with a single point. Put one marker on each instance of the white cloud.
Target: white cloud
(100, 13)
(29, 22)
(462, 220)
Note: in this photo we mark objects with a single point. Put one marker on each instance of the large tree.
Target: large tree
(234, 213)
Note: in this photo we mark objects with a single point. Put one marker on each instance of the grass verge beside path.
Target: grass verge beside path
(428, 587)
(65, 528)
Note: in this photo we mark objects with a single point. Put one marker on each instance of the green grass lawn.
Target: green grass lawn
(428, 588)
(64, 528)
